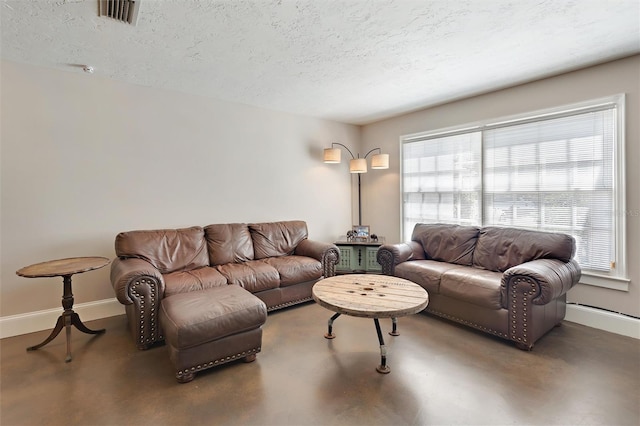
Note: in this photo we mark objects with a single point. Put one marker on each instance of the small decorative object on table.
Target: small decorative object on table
(361, 232)
(374, 238)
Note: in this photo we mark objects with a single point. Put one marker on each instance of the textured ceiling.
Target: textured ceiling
(353, 61)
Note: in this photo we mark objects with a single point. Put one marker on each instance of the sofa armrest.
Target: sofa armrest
(327, 253)
(126, 273)
(534, 295)
(543, 279)
(140, 287)
(390, 255)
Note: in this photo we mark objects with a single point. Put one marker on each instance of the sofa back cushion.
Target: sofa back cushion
(168, 250)
(499, 249)
(228, 243)
(447, 243)
(277, 238)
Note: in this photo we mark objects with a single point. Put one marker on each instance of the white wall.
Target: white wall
(84, 157)
(381, 191)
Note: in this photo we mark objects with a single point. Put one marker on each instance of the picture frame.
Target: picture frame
(361, 232)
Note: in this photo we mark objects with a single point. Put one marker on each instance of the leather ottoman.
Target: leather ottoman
(211, 327)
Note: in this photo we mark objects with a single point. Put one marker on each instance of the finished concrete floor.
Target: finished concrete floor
(441, 374)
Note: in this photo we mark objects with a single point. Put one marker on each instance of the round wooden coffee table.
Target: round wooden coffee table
(370, 296)
(64, 268)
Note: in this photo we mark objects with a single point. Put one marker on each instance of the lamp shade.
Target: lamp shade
(380, 161)
(332, 155)
(358, 165)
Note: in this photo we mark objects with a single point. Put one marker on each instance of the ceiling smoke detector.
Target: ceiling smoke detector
(120, 10)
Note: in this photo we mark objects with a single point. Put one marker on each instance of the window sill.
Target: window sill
(614, 283)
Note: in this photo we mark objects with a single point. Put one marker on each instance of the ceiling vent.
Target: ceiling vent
(120, 10)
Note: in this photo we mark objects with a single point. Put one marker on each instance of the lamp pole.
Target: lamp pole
(364, 170)
(359, 202)
(359, 193)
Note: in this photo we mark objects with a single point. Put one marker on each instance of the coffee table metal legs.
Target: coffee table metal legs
(394, 331)
(383, 367)
(66, 320)
(329, 334)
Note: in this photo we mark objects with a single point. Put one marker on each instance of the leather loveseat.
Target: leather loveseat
(274, 261)
(508, 282)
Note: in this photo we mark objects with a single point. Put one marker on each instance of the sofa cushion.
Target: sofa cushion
(192, 280)
(447, 243)
(295, 269)
(253, 275)
(277, 238)
(499, 249)
(228, 243)
(473, 285)
(168, 250)
(191, 319)
(426, 273)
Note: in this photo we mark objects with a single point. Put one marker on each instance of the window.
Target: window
(442, 180)
(556, 171)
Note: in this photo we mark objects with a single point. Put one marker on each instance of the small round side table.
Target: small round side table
(64, 268)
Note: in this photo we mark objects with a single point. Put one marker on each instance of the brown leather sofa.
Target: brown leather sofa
(508, 282)
(274, 261)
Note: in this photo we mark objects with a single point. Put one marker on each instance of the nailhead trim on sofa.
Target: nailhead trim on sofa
(187, 372)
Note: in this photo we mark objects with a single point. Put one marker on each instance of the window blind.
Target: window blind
(552, 172)
(555, 175)
(442, 180)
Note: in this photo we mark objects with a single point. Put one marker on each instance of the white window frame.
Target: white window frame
(618, 278)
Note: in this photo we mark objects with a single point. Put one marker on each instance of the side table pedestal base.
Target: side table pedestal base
(66, 320)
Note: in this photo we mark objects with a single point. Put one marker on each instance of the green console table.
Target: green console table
(358, 256)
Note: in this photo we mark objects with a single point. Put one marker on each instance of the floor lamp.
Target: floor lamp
(357, 165)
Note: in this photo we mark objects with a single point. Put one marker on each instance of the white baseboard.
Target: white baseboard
(603, 320)
(45, 320)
